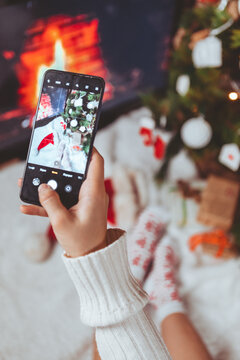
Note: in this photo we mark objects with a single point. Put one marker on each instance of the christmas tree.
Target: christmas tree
(80, 115)
(201, 106)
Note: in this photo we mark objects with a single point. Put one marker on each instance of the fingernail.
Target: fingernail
(44, 187)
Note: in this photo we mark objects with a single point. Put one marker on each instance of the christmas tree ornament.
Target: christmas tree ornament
(196, 133)
(207, 53)
(82, 129)
(89, 117)
(183, 84)
(78, 102)
(230, 156)
(92, 104)
(218, 203)
(73, 123)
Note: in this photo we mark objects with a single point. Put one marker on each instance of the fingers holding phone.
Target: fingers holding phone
(82, 228)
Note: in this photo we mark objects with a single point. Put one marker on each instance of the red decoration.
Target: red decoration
(147, 135)
(215, 237)
(110, 191)
(155, 141)
(159, 148)
(208, 1)
(63, 125)
(45, 141)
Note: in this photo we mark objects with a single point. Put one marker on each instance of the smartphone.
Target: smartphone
(63, 132)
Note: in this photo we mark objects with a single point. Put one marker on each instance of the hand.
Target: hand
(82, 228)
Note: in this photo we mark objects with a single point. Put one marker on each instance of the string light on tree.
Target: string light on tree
(233, 95)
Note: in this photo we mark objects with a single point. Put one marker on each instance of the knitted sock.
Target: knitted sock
(141, 243)
(161, 283)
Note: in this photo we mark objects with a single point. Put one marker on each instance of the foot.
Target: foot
(161, 284)
(143, 240)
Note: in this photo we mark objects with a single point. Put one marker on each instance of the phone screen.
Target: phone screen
(63, 133)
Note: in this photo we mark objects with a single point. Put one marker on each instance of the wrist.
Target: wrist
(74, 253)
(111, 236)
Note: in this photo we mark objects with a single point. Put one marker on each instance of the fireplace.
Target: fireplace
(125, 42)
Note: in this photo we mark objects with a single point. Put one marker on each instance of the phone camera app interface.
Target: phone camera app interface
(64, 124)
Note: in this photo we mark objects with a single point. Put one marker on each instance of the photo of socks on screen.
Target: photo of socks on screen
(63, 128)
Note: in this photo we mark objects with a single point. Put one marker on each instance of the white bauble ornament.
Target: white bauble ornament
(147, 122)
(207, 53)
(82, 128)
(89, 117)
(90, 105)
(196, 133)
(183, 84)
(70, 111)
(73, 123)
(78, 102)
(230, 156)
(181, 167)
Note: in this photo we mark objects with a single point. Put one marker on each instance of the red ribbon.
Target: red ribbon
(150, 140)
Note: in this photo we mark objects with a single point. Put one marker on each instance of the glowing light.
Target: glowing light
(60, 42)
(233, 96)
(58, 63)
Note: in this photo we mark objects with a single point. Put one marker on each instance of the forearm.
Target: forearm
(112, 301)
(132, 339)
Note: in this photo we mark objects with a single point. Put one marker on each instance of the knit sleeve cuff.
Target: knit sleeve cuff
(107, 290)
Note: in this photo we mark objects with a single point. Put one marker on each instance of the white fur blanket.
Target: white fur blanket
(39, 317)
(39, 306)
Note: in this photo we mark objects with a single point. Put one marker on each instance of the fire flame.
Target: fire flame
(63, 43)
(59, 63)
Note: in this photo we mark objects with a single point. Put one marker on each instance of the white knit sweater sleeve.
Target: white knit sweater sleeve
(112, 301)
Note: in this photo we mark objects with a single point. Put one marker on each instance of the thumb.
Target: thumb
(51, 202)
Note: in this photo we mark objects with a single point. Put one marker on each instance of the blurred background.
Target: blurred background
(170, 134)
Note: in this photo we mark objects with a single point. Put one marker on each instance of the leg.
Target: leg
(142, 242)
(179, 335)
(182, 340)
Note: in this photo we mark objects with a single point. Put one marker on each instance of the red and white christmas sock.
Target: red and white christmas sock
(161, 283)
(143, 239)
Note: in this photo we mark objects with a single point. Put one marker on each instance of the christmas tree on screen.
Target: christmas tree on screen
(80, 115)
